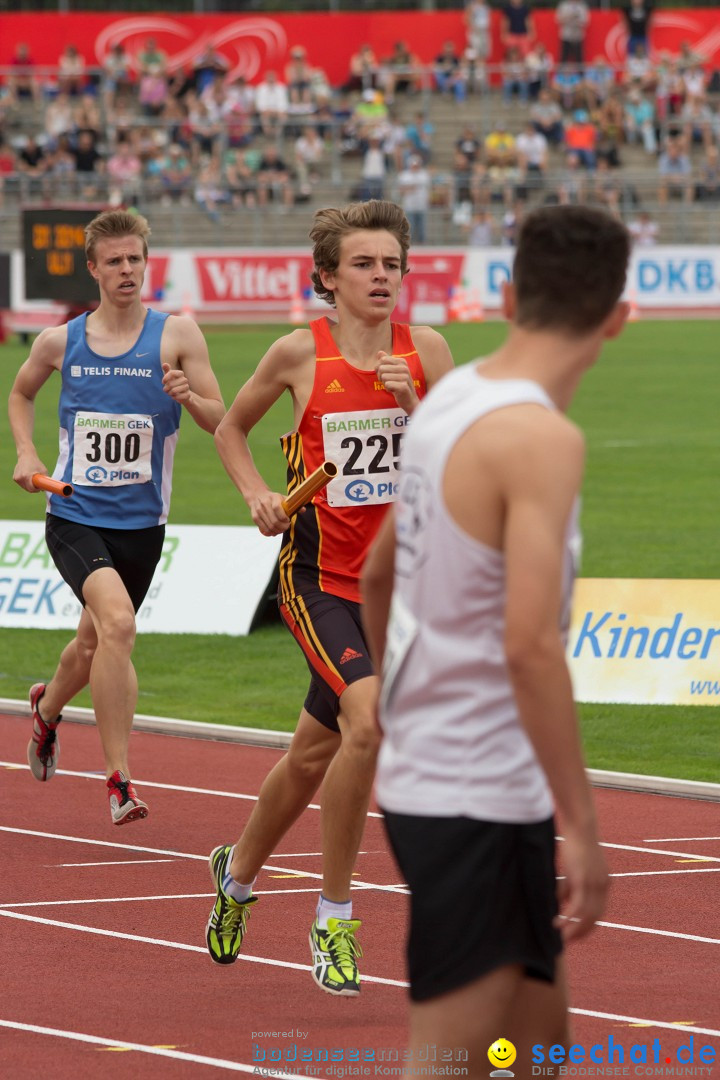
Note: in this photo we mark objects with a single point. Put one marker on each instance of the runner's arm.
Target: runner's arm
(394, 372)
(188, 377)
(540, 480)
(46, 356)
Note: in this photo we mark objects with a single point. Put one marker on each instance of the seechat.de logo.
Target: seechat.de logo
(501, 1054)
(359, 490)
(96, 474)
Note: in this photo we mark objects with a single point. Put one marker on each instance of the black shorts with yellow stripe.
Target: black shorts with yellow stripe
(329, 631)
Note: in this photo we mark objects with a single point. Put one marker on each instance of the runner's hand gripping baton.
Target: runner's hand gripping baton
(55, 487)
(315, 482)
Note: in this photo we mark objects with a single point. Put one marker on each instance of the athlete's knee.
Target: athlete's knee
(117, 628)
(309, 765)
(361, 737)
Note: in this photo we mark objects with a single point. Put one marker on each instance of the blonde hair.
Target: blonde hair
(333, 224)
(114, 223)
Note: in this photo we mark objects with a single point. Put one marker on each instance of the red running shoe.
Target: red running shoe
(44, 748)
(124, 802)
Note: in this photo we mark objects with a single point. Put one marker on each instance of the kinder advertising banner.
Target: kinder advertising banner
(646, 641)
(210, 580)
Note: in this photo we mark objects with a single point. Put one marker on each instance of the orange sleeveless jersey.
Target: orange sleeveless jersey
(353, 420)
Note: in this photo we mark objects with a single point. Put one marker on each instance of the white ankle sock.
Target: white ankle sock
(236, 889)
(327, 909)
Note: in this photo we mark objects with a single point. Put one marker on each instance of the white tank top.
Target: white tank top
(453, 741)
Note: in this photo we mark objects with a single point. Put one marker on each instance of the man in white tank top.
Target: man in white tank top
(467, 595)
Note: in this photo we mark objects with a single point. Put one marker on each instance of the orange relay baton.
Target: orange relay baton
(55, 487)
(304, 492)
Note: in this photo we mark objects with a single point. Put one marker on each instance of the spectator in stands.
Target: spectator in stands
(124, 171)
(640, 119)
(697, 122)
(414, 186)
(87, 117)
(298, 79)
(210, 194)
(638, 15)
(373, 171)
(708, 185)
(31, 165)
(674, 172)
(22, 83)
(240, 179)
(176, 176)
(364, 69)
(694, 80)
(209, 67)
(546, 116)
(117, 77)
(581, 138)
(153, 91)
(643, 230)
(449, 73)
(481, 230)
(599, 80)
(515, 82)
(369, 118)
(572, 18)
(478, 29)
(539, 66)
(420, 132)
(532, 152)
(571, 186)
(8, 168)
(271, 104)
(469, 144)
(59, 118)
(567, 84)
(610, 118)
(401, 73)
(151, 59)
(395, 142)
(72, 77)
(206, 129)
(89, 165)
(60, 172)
(309, 159)
(511, 224)
(462, 178)
(501, 159)
(605, 188)
(517, 29)
(274, 179)
(639, 69)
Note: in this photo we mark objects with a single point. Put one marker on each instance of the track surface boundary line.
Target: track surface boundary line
(162, 725)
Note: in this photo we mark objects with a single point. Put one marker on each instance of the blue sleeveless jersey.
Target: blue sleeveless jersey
(118, 430)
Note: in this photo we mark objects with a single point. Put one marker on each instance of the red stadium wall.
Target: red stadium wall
(255, 43)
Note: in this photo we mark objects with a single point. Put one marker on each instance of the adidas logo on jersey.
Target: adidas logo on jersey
(349, 654)
(334, 387)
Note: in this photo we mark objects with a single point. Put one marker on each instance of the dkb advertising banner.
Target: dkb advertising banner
(648, 641)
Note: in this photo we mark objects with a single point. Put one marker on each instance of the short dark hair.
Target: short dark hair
(570, 268)
(332, 225)
(111, 224)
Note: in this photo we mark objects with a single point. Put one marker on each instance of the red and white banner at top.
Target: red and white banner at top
(254, 44)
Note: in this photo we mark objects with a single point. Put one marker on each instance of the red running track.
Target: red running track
(105, 972)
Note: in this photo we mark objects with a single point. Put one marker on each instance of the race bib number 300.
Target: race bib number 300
(365, 446)
(112, 449)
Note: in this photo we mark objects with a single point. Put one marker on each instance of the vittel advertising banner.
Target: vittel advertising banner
(210, 580)
(646, 641)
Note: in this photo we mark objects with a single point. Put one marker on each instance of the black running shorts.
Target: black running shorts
(483, 896)
(78, 549)
(330, 633)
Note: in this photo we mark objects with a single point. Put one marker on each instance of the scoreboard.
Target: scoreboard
(54, 248)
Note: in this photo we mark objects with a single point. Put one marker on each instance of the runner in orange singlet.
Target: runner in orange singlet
(354, 383)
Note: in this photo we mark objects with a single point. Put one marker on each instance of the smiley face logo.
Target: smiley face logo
(502, 1053)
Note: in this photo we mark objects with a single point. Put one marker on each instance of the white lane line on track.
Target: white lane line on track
(292, 871)
(676, 934)
(111, 862)
(645, 1023)
(694, 856)
(12, 906)
(178, 945)
(680, 839)
(157, 1051)
(162, 787)
(664, 873)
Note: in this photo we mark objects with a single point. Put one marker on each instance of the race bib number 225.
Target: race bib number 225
(365, 446)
